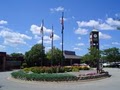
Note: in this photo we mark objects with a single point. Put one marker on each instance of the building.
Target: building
(8, 62)
(71, 58)
(2, 61)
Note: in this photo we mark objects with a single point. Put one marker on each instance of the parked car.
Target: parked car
(115, 64)
(106, 64)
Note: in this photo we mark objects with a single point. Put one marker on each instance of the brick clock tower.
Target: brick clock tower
(94, 42)
(94, 39)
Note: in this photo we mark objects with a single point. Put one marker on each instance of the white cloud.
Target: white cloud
(36, 29)
(47, 39)
(60, 8)
(109, 24)
(47, 49)
(91, 23)
(76, 48)
(105, 26)
(104, 36)
(37, 37)
(3, 22)
(80, 44)
(113, 22)
(2, 47)
(56, 37)
(13, 38)
(81, 31)
(115, 43)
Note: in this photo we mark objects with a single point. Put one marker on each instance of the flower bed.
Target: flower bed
(93, 76)
(55, 69)
(55, 74)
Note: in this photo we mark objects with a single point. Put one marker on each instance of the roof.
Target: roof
(70, 55)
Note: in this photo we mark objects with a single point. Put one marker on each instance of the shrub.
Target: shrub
(24, 65)
(27, 70)
(55, 69)
(75, 69)
(43, 77)
(68, 68)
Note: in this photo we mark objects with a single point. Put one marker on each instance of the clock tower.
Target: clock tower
(94, 42)
(94, 39)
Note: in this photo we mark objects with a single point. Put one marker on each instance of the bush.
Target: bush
(55, 69)
(24, 65)
(75, 69)
(27, 70)
(43, 77)
(68, 68)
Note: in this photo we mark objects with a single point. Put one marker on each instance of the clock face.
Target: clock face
(95, 35)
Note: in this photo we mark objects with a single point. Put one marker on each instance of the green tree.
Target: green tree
(34, 56)
(92, 57)
(17, 55)
(56, 57)
(111, 54)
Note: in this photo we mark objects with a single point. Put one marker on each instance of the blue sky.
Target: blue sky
(20, 23)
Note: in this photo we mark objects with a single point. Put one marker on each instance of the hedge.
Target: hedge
(43, 77)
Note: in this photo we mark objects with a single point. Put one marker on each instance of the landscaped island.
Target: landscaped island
(55, 73)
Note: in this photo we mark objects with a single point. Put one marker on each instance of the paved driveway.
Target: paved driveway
(112, 83)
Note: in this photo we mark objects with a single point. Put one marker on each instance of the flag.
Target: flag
(51, 36)
(41, 30)
(62, 22)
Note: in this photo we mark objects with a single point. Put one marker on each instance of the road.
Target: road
(112, 83)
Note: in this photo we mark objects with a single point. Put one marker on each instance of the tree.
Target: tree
(111, 54)
(57, 56)
(17, 55)
(34, 56)
(92, 57)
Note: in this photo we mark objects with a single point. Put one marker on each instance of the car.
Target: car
(115, 64)
(106, 64)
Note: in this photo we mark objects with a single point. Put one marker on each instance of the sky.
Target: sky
(21, 21)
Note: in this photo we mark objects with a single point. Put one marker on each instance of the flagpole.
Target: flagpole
(52, 46)
(42, 42)
(62, 38)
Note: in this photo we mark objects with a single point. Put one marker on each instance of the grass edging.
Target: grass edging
(43, 76)
(56, 76)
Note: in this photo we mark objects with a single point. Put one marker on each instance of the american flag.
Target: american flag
(52, 34)
(62, 22)
(41, 31)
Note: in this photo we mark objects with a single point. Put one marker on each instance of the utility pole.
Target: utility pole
(42, 32)
(62, 32)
